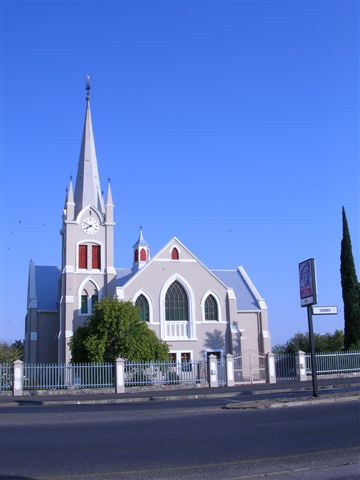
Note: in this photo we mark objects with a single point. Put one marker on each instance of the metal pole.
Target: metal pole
(312, 352)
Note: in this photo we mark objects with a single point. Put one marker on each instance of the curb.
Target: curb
(296, 402)
(235, 405)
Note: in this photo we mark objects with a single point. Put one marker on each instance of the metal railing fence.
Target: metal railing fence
(58, 376)
(285, 366)
(6, 377)
(165, 373)
(335, 362)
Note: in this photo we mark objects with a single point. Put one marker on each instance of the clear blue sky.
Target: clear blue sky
(231, 125)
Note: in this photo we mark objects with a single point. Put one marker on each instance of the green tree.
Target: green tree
(323, 343)
(350, 290)
(116, 330)
(10, 353)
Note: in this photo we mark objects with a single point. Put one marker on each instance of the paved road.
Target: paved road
(180, 440)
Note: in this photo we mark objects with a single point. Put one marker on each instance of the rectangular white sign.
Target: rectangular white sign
(324, 310)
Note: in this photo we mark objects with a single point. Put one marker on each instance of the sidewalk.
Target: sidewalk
(244, 396)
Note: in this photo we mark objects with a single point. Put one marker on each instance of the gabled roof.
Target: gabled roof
(46, 287)
(125, 278)
(247, 297)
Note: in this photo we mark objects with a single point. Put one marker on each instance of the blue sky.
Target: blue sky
(231, 125)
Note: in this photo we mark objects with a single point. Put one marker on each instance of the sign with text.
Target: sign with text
(307, 281)
(324, 310)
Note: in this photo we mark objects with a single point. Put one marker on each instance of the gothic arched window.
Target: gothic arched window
(143, 255)
(174, 254)
(211, 308)
(176, 303)
(136, 255)
(143, 305)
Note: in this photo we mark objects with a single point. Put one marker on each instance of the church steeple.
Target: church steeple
(141, 252)
(87, 187)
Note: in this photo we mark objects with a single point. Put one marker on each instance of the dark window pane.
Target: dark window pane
(143, 305)
(211, 309)
(176, 303)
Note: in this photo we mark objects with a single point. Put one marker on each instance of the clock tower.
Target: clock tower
(87, 269)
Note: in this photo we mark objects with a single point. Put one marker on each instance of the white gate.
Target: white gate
(249, 368)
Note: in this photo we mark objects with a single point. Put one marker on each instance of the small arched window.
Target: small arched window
(211, 308)
(136, 255)
(143, 255)
(176, 303)
(143, 305)
(174, 254)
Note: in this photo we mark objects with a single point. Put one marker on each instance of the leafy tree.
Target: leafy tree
(350, 290)
(323, 343)
(116, 330)
(10, 353)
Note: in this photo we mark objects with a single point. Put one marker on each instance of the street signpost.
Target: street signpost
(308, 297)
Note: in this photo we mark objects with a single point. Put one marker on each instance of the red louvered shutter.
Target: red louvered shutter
(82, 256)
(96, 257)
(143, 255)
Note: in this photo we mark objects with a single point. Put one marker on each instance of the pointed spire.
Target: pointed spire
(32, 297)
(69, 203)
(70, 195)
(87, 187)
(141, 242)
(109, 200)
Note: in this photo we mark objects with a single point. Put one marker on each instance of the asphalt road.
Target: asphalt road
(180, 440)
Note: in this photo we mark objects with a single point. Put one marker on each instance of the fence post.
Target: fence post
(230, 381)
(18, 377)
(301, 366)
(270, 368)
(120, 375)
(213, 371)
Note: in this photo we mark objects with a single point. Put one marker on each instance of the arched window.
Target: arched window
(176, 303)
(143, 255)
(211, 308)
(136, 255)
(174, 254)
(88, 299)
(143, 305)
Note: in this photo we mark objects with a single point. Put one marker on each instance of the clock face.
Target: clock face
(90, 225)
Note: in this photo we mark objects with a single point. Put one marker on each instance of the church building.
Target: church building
(195, 310)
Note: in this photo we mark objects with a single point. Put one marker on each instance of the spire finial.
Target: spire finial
(87, 87)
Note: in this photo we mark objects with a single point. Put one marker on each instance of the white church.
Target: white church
(195, 310)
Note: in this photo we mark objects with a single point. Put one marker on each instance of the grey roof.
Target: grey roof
(245, 299)
(123, 275)
(47, 287)
(141, 242)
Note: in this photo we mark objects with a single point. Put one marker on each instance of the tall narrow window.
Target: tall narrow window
(84, 302)
(174, 254)
(94, 301)
(136, 255)
(211, 308)
(143, 255)
(82, 256)
(143, 305)
(96, 261)
(176, 303)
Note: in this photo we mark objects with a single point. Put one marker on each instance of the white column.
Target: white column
(120, 375)
(270, 368)
(301, 366)
(230, 381)
(18, 377)
(213, 371)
